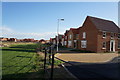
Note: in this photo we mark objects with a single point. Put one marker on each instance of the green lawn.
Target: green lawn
(20, 61)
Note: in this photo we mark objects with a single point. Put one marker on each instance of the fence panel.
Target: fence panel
(49, 61)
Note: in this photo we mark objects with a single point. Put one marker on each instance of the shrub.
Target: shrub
(82, 51)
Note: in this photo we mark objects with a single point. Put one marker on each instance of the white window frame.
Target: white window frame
(112, 35)
(83, 44)
(75, 40)
(84, 35)
(103, 45)
(54, 41)
(118, 35)
(113, 45)
(69, 43)
(118, 44)
(62, 42)
(104, 34)
(65, 42)
(65, 37)
(70, 36)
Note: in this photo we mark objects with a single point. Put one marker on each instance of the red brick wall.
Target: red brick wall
(70, 33)
(66, 39)
(95, 38)
(107, 40)
(91, 36)
(72, 39)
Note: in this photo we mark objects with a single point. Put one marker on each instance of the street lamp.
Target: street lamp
(58, 32)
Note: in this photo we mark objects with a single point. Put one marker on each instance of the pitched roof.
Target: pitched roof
(52, 39)
(75, 30)
(104, 25)
(66, 32)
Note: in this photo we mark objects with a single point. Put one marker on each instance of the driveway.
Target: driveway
(95, 71)
(87, 57)
(92, 66)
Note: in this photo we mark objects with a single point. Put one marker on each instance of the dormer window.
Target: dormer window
(104, 34)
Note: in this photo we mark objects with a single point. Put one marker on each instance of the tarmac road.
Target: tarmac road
(96, 71)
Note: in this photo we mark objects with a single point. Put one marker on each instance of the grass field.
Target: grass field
(20, 61)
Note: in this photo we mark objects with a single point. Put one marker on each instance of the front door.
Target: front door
(112, 46)
(74, 44)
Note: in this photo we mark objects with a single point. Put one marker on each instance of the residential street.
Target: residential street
(94, 71)
(60, 39)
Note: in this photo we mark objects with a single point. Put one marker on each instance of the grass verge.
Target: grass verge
(21, 61)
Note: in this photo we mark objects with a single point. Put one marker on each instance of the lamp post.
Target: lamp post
(58, 32)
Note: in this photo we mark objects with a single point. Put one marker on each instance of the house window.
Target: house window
(83, 44)
(54, 42)
(104, 34)
(119, 35)
(104, 45)
(65, 43)
(119, 44)
(69, 43)
(60, 37)
(70, 36)
(62, 41)
(65, 37)
(112, 35)
(84, 34)
(77, 35)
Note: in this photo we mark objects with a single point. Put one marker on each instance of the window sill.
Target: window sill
(104, 37)
(103, 48)
(82, 47)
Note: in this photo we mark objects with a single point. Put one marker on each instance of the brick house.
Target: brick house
(60, 36)
(53, 40)
(3, 39)
(99, 35)
(73, 37)
(28, 40)
(42, 41)
(66, 38)
(12, 39)
(62, 41)
(47, 41)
